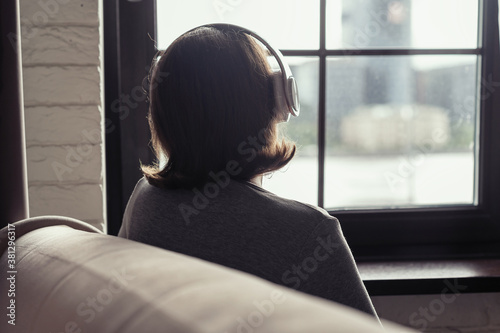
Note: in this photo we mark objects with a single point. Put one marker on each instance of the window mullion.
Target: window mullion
(322, 104)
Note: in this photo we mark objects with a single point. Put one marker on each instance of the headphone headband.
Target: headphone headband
(285, 87)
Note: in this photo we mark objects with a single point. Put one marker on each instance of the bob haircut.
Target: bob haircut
(212, 111)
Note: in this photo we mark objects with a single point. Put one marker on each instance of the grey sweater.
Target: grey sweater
(242, 226)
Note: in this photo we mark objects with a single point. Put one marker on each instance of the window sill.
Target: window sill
(430, 277)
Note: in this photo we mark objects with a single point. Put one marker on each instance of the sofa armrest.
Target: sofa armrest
(70, 280)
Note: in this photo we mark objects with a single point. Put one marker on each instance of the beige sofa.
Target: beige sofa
(72, 278)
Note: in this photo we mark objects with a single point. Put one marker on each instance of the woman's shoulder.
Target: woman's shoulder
(292, 207)
(145, 192)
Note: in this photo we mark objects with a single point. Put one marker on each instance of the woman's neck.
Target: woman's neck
(257, 180)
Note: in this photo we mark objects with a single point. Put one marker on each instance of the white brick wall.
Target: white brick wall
(63, 96)
(63, 45)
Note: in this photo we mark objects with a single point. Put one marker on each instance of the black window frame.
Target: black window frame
(440, 232)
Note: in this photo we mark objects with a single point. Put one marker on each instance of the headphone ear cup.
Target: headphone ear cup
(280, 100)
(293, 96)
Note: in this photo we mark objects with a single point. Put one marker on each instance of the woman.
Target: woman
(214, 114)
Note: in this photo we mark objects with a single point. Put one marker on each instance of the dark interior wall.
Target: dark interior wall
(13, 180)
(128, 55)
(454, 311)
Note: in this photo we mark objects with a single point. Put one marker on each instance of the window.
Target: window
(396, 133)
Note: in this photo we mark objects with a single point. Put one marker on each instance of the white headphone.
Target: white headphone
(286, 94)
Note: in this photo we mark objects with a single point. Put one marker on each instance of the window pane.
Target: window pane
(287, 24)
(400, 130)
(299, 179)
(360, 24)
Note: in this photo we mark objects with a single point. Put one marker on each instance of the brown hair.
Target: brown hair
(212, 103)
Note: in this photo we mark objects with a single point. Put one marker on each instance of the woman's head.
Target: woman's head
(212, 102)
